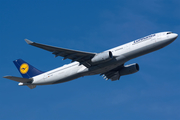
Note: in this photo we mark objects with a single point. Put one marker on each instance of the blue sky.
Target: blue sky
(93, 26)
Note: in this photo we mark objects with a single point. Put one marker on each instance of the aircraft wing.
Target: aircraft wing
(80, 56)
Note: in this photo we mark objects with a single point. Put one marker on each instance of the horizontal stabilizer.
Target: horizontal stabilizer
(19, 79)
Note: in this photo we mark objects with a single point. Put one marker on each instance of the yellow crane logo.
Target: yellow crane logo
(24, 68)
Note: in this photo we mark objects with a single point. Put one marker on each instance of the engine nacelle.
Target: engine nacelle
(102, 57)
(129, 69)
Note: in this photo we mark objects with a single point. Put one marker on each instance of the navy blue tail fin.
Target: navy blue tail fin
(26, 70)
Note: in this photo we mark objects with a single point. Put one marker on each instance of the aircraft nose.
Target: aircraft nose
(176, 35)
(173, 36)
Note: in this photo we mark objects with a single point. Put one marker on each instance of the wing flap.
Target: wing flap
(18, 79)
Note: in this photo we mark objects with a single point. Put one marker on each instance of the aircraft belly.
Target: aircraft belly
(66, 79)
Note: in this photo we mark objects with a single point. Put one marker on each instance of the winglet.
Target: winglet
(28, 41)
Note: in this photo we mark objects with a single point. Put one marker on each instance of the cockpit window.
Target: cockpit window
(169, 32)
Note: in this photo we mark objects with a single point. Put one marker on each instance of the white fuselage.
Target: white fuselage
(121, 54)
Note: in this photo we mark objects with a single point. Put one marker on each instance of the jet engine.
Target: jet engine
(102, 57)
(129, 69)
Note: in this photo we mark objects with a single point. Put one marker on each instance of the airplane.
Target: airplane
(109, 64)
